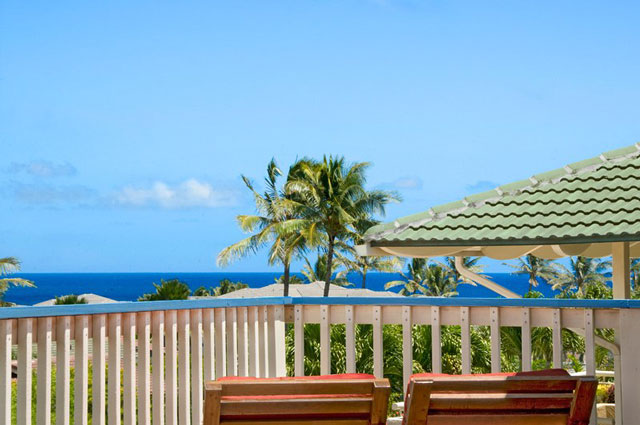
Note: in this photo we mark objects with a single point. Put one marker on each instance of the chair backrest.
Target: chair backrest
(500, 400)
(291, 401)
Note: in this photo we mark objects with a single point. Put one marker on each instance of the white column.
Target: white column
(630, 367)
(621, 271)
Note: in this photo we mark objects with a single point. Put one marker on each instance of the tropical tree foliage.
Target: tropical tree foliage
(362, 265)
(424, 278)
(173, 289)
(272, 225)
(329, 199)
(535, 268)
(10, 265)
(581, 273)
(318, 271)
(470, 263)
(70, 299)
(227, 286)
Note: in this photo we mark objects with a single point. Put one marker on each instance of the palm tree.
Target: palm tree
(424, 278)
(270, 225)
(364, 264)
(10, 265)
(317, 271)
(227, 286)
(536, 268)
(329, 198)
(470, 263)
(173, 289)
(582, 272)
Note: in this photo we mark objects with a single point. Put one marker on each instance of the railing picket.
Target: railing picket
(25, 358)
(254, 338)
(557, 338)
(465, 335)
(6, 343)
(526, 339)
(184, 395)
(171, 367)
(243, 351)
(298, 330)
(63, 354)
(98, 386)
(590, 352)
(325, 341)
(264, 341)
(350, 338)
(115, 351)
(495, 340)
(378, 353)
(157, 359)
(43, 401)
(129, 369)
(279, 336)
(232, 341)
(407, 346)
(81, 383)
(197, 396)
(221, 342)
(436, 348)
(208, 341)
(144, 367)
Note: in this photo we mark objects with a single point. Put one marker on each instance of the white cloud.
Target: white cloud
(191, 193)
(404, 183)
(481, 186)
(43, 169)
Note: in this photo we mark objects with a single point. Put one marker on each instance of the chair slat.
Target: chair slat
(273, 387)
(295, 406)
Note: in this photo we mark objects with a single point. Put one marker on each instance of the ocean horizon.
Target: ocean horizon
(130, 286)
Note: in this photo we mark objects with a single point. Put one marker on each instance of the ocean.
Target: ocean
(130, 286)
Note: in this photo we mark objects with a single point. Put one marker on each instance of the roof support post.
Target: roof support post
(621, 270)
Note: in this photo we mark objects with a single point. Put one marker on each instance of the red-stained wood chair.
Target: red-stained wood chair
(353, 399)
(500, 399)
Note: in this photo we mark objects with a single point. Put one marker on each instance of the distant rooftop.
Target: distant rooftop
(91, 299)
(314, 289)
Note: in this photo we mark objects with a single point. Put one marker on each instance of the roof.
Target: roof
(587, 202)
(314, 289)
(90, 298)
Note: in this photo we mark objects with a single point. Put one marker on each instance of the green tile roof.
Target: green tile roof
(594, 200)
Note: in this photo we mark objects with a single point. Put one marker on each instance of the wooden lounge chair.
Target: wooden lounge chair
(501, 399)
(353, 399)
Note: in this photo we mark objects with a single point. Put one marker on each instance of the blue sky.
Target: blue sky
(124, 127)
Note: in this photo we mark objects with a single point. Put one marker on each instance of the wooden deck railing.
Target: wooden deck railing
(149, 360)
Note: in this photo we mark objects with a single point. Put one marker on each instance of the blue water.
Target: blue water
(129, 286)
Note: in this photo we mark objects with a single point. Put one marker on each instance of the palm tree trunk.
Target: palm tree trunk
(285, 278)
(327, 279)
(364, 279)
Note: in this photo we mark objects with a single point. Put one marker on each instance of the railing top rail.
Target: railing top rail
(133, 307)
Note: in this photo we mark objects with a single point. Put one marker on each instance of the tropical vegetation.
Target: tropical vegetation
(535, 269)
(426, 278)
(70, 299)
(10, 265)
(173, 289)
(323, 205)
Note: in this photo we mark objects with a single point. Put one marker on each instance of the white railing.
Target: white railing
(149, 360)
